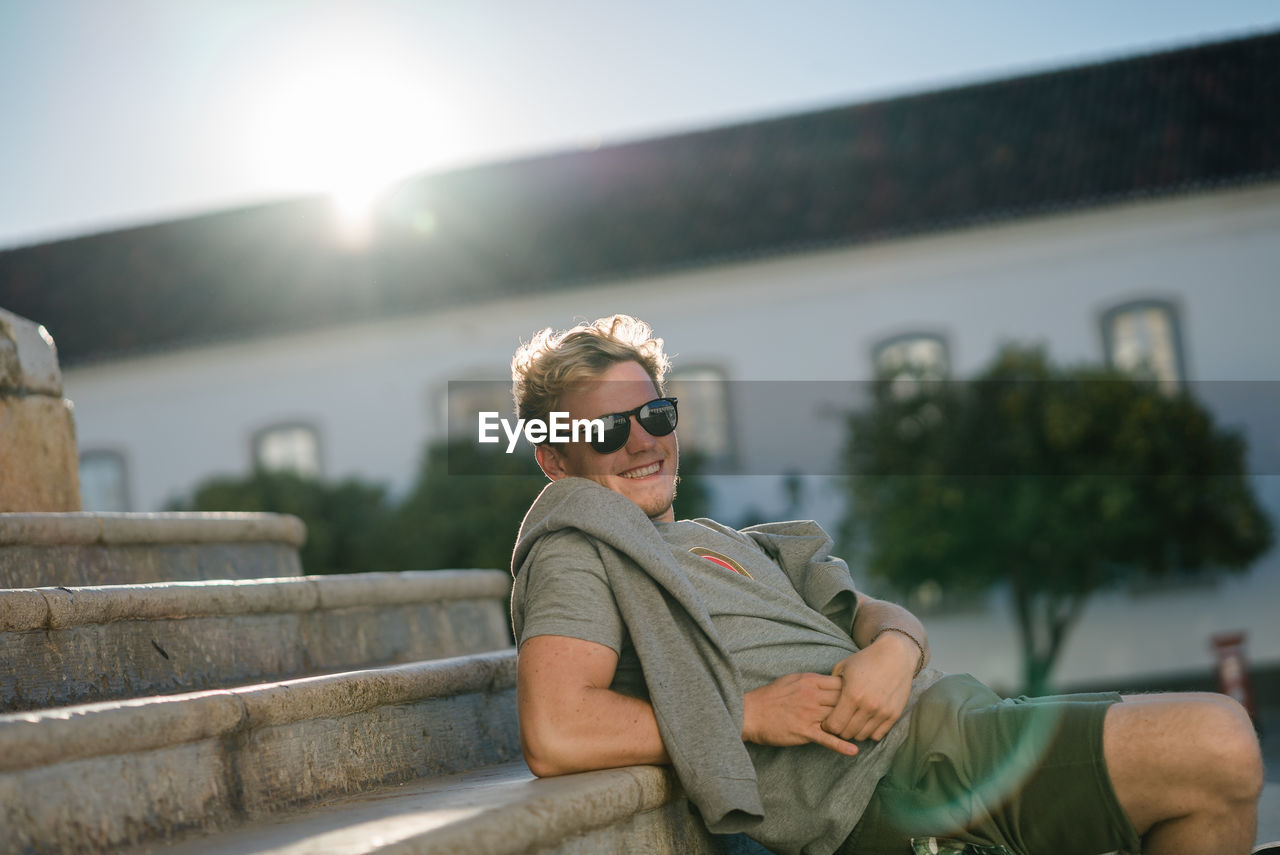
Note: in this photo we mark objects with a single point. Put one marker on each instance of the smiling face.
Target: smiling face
(644, 469)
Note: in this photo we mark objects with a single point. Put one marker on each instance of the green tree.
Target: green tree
(458, 520)
(693, 497)
(466, 507)
(345, 520)
(1053, 482)
(463, 511)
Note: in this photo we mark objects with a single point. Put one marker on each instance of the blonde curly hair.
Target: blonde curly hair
(546, 366)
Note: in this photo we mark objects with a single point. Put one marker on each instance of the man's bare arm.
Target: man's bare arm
(877, 678)
(570, 720)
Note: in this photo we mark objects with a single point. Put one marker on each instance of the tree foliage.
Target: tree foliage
(463, 511)
(468, 503)
(345, 521)
(465, 507)
(1053, 482)
(693, 498)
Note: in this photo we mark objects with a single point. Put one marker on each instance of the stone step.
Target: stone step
(62, 646)
(118, 549)
(496, 810)
(151, 770)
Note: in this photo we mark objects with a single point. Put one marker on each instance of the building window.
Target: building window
(912, 358)
(1143, 338)
(705, 423)
(288, 448)
(918, 356)
(464, 401)
(103, 481)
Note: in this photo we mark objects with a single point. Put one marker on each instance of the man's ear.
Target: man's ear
(551, 461)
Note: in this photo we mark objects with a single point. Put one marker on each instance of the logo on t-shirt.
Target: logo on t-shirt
(722, 560)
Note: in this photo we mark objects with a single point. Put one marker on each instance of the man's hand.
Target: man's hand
(790, 711)
(875, 687)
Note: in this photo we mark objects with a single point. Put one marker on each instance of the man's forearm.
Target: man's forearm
(594, 729)
(570, 721)
(877, 618)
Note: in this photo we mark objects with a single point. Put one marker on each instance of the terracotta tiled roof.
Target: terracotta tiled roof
(1159, 124)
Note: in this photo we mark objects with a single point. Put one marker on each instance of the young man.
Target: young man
(792, 707)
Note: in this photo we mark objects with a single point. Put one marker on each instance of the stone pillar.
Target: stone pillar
(39, 468)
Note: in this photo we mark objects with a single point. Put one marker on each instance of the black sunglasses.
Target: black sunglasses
(658, 417)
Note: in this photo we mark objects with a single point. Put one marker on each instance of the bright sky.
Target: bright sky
(119, 112)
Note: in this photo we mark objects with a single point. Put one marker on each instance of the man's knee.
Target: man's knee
(1234, 744)
(1212, 739)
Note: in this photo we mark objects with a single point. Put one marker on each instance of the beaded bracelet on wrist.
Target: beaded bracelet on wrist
(914, 640)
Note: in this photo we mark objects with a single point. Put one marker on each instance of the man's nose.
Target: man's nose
(639, 438)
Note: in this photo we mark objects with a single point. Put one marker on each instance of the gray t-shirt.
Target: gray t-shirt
(812, 795)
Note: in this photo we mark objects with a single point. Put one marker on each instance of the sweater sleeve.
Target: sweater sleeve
(803, 550)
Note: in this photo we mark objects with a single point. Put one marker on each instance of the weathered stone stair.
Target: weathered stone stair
(498, 809)
(117, 549)
(64, 645)
(91, 777)
(421, 755)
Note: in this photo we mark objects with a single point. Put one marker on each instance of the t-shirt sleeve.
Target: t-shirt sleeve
(802, 549)
(567, 593)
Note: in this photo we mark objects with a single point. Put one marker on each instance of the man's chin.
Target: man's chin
(664, 515)
(662, 510)
(654, 504)
(669, 510)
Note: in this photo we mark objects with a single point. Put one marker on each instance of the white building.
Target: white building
(1128, 211)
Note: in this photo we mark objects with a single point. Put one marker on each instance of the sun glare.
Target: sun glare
(350, 122)
(348, 131)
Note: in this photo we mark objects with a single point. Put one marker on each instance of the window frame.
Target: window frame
(883, 344)
(126, 491)
(439, 405)
(259, 435)
(1173, 313)
(726, 460)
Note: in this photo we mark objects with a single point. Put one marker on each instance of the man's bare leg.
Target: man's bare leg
(1187, 770)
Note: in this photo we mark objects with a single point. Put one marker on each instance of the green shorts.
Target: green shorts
(1026, 774)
